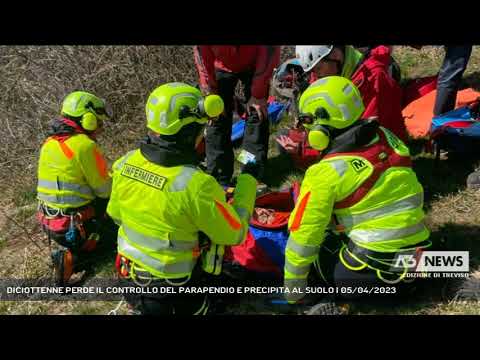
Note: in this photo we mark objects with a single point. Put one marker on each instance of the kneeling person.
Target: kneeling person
(73, 181)
(167, 207)
(364, 187)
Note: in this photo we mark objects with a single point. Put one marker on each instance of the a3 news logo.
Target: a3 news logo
(433, 261)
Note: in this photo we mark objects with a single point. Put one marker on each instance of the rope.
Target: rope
(178, 283)
(47, 209)
(115, 311)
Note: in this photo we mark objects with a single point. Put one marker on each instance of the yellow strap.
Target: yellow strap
(134, 277)
(204, 308)
(391, 282)
(318, 267)
(180, 283)
(364, 265)
(348, 266)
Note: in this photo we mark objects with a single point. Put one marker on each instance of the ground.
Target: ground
(453, 212)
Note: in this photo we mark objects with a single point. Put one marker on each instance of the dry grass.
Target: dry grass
(34, 80)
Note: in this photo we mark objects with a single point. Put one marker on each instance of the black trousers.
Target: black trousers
(450, 76)
(219, 148)
(335, 273)
(171, 304)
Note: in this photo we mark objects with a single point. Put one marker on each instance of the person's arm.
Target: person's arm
(113, 210)
(382, 96)
(205, 63)
(224, 224)
(307, 225)
(95, 170)
(268, 58)
(389, 105)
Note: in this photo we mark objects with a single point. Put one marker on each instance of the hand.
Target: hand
(260, 105)
(208, 90)
(287, 143)
(297, 124)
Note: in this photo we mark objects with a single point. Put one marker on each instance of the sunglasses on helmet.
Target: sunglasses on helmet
(306, 118)
(101, 111)
(309, 118)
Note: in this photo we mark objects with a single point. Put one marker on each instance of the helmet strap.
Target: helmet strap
(75, 125)
(78, 129)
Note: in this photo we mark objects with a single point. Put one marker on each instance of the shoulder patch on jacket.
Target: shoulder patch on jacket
(146, 177)
(358, 165)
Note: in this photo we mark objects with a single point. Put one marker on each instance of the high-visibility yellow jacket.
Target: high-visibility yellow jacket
(72, 171)
(374, 196)
(161, 210)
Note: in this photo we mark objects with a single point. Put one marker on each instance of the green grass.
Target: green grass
(3, 242)
(25, 196)
(97, 308)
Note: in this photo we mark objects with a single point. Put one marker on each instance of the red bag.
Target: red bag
(263, 251)
(281, 203)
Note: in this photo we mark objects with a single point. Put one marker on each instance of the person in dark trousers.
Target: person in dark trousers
(449, 79)
(450, 76)
(220, 68)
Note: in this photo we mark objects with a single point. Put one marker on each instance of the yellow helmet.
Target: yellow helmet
(172, 106)
(333, 101)
(86, 106)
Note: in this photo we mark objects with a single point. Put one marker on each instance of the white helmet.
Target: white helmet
(310, 55)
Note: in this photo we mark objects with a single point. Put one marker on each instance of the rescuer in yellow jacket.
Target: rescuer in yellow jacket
(363, 189)
(173, 217)
(73, 181)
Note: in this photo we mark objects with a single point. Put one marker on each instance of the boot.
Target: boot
(473, 180)
(91, 243)
(62, 265)
(326, 307)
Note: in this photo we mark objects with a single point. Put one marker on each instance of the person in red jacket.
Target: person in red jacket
(369, 71)
(219, 69)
